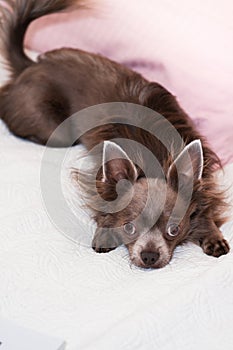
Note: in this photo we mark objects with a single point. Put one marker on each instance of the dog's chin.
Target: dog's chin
(162, 262)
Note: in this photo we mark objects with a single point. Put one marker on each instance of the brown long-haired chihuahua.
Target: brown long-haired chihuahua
(152, 221)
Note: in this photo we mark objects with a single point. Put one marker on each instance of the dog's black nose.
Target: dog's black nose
(149, 258)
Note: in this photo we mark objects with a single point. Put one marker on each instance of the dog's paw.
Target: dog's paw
(104, 242)
(99, 249)
(215, 246)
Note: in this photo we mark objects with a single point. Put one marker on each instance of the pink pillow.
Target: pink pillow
(185, 45)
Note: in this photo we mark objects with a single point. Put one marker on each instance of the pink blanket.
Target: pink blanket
(185, 45)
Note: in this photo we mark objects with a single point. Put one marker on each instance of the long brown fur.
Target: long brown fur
(41, 95)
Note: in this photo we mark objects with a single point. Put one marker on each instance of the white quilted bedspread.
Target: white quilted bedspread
(98, 301)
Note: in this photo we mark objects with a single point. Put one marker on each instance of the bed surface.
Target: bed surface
(62, 288)
(98, 301)
(52, 285)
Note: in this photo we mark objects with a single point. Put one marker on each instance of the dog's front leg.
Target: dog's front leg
(212, 241)
(105, 240)
(215, 244)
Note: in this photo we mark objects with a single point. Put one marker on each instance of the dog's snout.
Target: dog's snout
(149, 258)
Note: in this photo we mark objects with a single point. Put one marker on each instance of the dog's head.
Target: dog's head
(155, 214)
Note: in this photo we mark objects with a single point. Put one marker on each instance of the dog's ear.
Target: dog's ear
(116, 164)
(188, 165)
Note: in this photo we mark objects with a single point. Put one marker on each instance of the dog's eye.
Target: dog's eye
(129, 228)
(173, 230)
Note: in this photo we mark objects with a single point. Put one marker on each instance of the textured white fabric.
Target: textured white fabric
(98, 301)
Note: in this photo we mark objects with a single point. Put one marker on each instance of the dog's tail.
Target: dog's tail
(16, 15)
